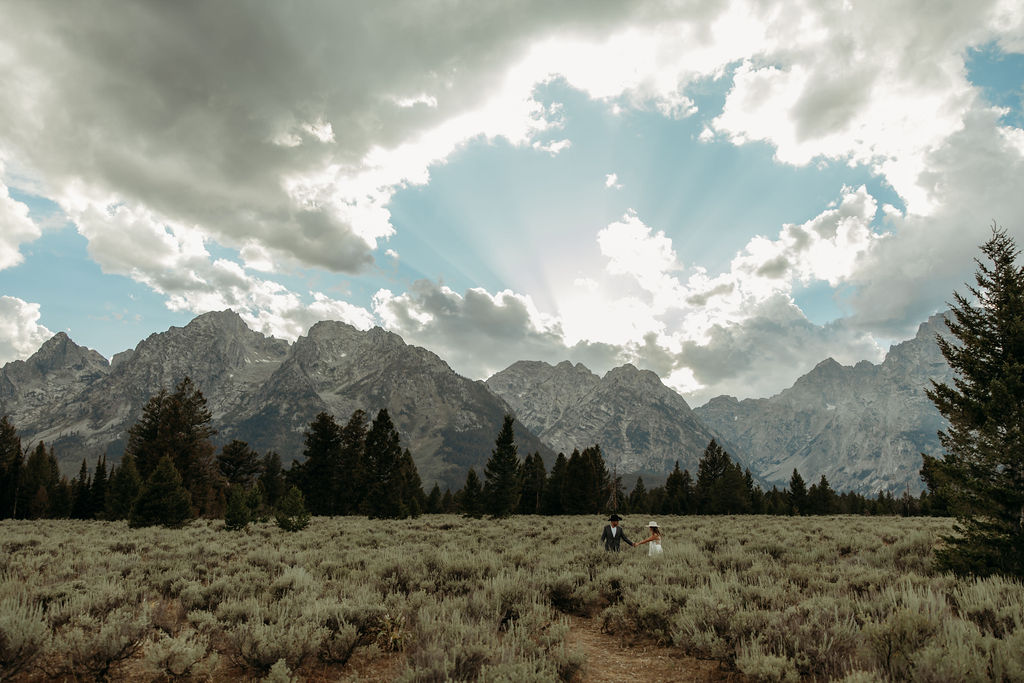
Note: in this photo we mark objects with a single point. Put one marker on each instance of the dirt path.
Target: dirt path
(609, 660)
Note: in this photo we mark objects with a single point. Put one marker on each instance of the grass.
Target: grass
(776, 598)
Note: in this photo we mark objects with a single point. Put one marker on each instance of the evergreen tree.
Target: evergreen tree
(501, 474)
(60, 505)
(163, 499)
(721, 488)
(678, 492)
(98, 490)
(272, 479)
(638, 496)
(821, 499)
(177, 426)
(588, 484)
(448, 504)
(238, 463)
(383, 453)
(410, 485)
(41, 476)
(319, 471)
(754, 493)
(533, 479)
(981, 472)
(124, 487)
(350, 477)
(236, 517)
(554, 488)
(11, 463)
(471, 500)
(797, 494)
(434, 501)
(81, 499)
(291, 512)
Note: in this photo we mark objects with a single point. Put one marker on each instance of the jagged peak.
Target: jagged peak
(630, 372)
(60, 350)
(220, 320)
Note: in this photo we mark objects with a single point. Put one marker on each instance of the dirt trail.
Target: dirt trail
(610, 660)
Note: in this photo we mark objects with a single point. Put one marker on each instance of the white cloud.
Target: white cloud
(611, 181)
(16, 228)
(21, 335)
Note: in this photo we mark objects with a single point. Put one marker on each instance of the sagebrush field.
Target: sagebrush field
(444, 597)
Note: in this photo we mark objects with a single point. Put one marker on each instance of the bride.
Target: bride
(654, 539)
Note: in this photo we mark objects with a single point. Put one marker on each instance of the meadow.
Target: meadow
(442, 597)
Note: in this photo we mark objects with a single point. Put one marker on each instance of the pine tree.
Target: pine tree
(98, 490)
(291, 513)
(320, 468)
(638, 496)
(410, 485)
(554, 488)
(124, 487)
(534, 477)
(41, 475)
(981, 472)
(177, 426)
(501, 474)
(350, 477)
(272, 479)
(238, 463)
(81, 500)
(163, 499)
(434, 501)
(11, 463)
(588, 484)
(448, 505)
(471, 499)
(236, 517)
(383, 459)
(678, 492)
(721, 488)
(797, 494)
(821, 499)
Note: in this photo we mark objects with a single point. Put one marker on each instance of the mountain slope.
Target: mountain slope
(642, 426)
(260, 390)
(863, 427)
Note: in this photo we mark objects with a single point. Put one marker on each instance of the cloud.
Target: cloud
(21, 335)
(611, 181)
(479, 333)
(16, 228)
(852, 87)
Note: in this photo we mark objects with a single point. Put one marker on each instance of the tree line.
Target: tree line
(171, 472)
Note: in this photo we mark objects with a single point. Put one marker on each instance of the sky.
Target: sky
(725, 193)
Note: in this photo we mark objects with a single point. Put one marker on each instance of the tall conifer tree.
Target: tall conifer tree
(11, 463)
(319, 471)
(383, 463)
(124, 487)
(350, 477)
(471, 498)
(554, 489)
(501, 474)
(981, 472)
(163, 499)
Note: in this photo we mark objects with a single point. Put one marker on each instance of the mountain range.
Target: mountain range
(864, 427)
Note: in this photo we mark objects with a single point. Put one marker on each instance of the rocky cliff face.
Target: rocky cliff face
(261, 390)
(863, 427)
(642, 426)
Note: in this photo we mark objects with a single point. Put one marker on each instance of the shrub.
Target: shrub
(291, 512)
(23, 633)
(180, 656)
(236, 517)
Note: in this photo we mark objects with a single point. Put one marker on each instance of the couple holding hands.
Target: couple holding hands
(613, 535)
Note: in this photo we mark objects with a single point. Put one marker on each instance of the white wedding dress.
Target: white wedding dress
(653, 548)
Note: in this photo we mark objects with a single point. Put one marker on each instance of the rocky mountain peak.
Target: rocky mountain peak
(59, 352)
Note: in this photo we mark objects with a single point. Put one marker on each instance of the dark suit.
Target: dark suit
(611, 541)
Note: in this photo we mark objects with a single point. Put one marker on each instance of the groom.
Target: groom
(613, 534)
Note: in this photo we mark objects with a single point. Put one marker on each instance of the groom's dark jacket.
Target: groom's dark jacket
(611, 541)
